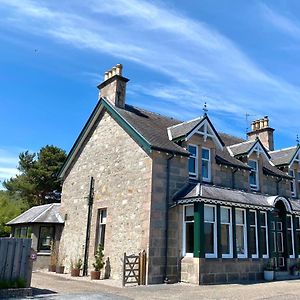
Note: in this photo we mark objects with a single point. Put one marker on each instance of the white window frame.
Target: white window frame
(291, 229)
(191, 174)
(292, 173)
(256, 233)
(184, 253)
(245, 255)
(230, 254)
(208, 179)
(101, 225)
(252, 186)
(298, 230)
(215, 253)
(267, 234)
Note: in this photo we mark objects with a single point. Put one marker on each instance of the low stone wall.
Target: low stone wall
(15, 293)
(214, 271)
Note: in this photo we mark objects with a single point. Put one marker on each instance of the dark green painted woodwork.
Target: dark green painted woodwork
(296, 245)
(248, 232)
(259, 239)
(219, 246)
(270, 235)
(201, 230)
(234, 233)
(196, 229)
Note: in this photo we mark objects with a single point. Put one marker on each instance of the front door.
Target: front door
(278, 241)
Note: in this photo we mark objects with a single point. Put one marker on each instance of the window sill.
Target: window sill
(43, 253)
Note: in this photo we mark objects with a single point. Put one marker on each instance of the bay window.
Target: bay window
(206, 165)
(193, 161)
(210, 231)
(293, 183)
(226, 232)
(188, 230)
(253, 244)
(241, 233)
(298, 234)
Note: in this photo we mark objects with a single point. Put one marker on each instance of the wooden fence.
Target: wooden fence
(134, 268)
(15, 260)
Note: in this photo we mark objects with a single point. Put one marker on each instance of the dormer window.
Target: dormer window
(254, 179)
(206, 165)
(293, 183)
(193, 161)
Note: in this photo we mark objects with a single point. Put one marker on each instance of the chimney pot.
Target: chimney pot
(113, 71)
(106, 76)
(119, 68)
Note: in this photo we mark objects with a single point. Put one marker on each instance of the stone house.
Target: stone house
(206, 206)
(43, 224)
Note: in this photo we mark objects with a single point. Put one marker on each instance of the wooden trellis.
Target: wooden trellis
(134, 269)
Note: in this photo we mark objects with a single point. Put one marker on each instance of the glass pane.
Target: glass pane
(252, 218)
(103, 216)
(252, 164)
(189, 213)
(290, 242)
(209, 237)
(189, 246)
(225, 239)
(298, 240)
(289, 222)
(239, 216)
(205, 154)
(279, 242)
(240, 246)
(23, 233)
(297, 223)
(209, 213)
(204, 168)
(46, 237)
(193, 150)
(225, 215)
(263, 241)
(262, 219)
(252, 241)
(192, 165)
(252, 178)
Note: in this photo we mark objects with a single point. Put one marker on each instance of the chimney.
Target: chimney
(113, 88)
(260, 128)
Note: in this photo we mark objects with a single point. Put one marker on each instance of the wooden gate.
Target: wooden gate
(15, 259)
(134, 269)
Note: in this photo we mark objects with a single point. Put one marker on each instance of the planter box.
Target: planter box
(269, 275)
(60, 269)
(52, 268)
(95, 275)
(75, 272)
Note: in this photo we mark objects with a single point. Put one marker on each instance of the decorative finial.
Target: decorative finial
(205, 109)
(297, 140)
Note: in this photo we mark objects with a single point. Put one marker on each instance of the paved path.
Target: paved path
(66, 287)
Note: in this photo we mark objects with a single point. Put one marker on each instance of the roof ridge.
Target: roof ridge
(186, 122)
(283, 149)
(245, 142)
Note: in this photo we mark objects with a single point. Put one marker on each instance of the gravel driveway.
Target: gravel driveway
(59, 287)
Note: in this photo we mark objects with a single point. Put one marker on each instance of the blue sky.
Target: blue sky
(238, 56)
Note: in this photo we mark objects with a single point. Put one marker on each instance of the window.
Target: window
(210, 231)
(253, 174)
(298, 234)
(226, 232)
(253, 244)
(22, 232)
(293, 183)
(290, 236)
(241, 233)
(45, 238)
(193, 161)
(188, 230)
(206, 165)
(264, 234)
(101, 227)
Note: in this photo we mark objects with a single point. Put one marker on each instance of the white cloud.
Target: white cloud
(200, 62)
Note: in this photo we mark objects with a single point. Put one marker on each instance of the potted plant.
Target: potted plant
(76, 267)
(269, 271)
(294, 270)
(60, 268)
(98, 264)
(53, 258)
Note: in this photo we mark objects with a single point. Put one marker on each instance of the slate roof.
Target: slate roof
(48, 213)
(241, 148)
(184, 128)
(224, 158)
(284, 156)
(230, 139)
(195, 191)
(268, 169)
(153, 127)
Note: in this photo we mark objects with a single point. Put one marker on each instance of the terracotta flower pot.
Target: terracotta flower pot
(60, 269)
(95, 275)
(75, 272)
(52, 268)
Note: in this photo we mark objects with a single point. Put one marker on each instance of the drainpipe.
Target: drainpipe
(233, 177)
(166, 280)
(88, 227)
(277, 185)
